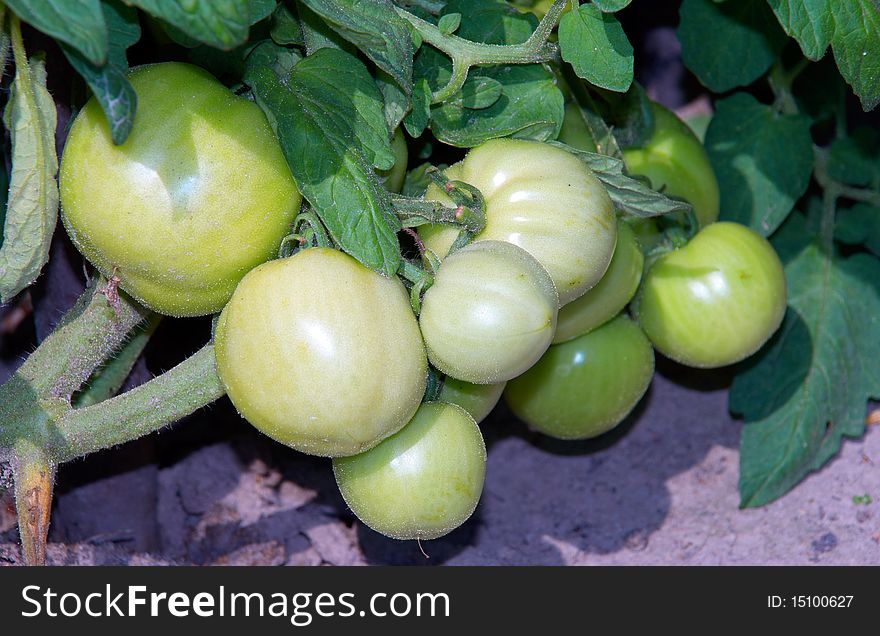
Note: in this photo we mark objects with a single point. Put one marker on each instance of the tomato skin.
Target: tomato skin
(321, 353)
(542, 199)
(716, 300)
(675, 162)
(477, 399)
(584, 387)
(610, 295)
(394, 176)
(490, 313)
(198, 195)
(422, 482)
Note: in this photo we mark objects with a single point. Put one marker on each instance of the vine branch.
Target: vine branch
(466, 54)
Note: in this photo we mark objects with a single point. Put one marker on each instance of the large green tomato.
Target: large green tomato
(610, 295)
(586, 386)
(197, 196)
(543, 199)
(675, 162)
(422, 482)
(321, 353)
(477, 399)
(490, 314)
(714, 301)
(394, 176)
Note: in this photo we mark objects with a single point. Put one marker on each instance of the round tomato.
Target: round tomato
(610, 295)
(422, 482)
(542, 199)
(714, 301)
(490, 313)
(586, 386)
(394, 176)
(675, 162)
(477, 399)
(197, 195)
(321, 353)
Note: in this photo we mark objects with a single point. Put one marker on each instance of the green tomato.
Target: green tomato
(610, 295)
(394, 176)
(490, 314)
(477, 399)
(197, 196)
(422, 482)
(675, 162)
(542, 199)
(714, 301)
(321, 353)
(586, 386)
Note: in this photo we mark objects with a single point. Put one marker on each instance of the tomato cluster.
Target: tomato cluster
(328, 357)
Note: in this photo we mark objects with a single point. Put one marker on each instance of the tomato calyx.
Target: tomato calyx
(308, 231)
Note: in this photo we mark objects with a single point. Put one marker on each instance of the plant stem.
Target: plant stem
(163, 400)
(89, 334)
(413, 212)
(466, 53)
(34, 481)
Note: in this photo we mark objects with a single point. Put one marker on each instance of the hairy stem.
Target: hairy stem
(163, 400)
(466, 53)
(89, 334)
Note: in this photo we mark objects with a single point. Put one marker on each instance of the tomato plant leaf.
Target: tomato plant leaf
(633, 196)
(611, 6)
(108, 82)
(78, 23)
(851, 27)
(750, 43)
(855, 160)
(763, 161)
(330, 105)
(859, 225)
(529, 105)
(808, 388)
(810, 22)
(595, 45)
(32, 205)
(374, 28)
(222, 24)
(418, 117)
(284, 28)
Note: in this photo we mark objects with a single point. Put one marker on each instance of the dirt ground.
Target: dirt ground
(660, 489)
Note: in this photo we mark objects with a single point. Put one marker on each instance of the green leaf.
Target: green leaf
(531, 106)
(78, 23)
(856, 47)
(810, 22)
(109, 82)
(261, 9)
(855, 160)
(449, 23)
(728, 44)
(285, 28)
(633, 196)
(32, 206)
(763, 161)
(610, 6)
(222, 24)
(808, 388)
(396, 101)
(859, 225)
(478, 92)
(417, 119)
(491, 21)
(597, 48)
(328, 117)
(376, 29)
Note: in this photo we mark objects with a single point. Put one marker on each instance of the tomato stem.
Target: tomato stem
(466, 54)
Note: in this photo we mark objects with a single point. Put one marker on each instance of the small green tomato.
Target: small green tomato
(422, 482)
(321, 353)
(586, 386)
(610, 295)
(490, 313)
(476, 399)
